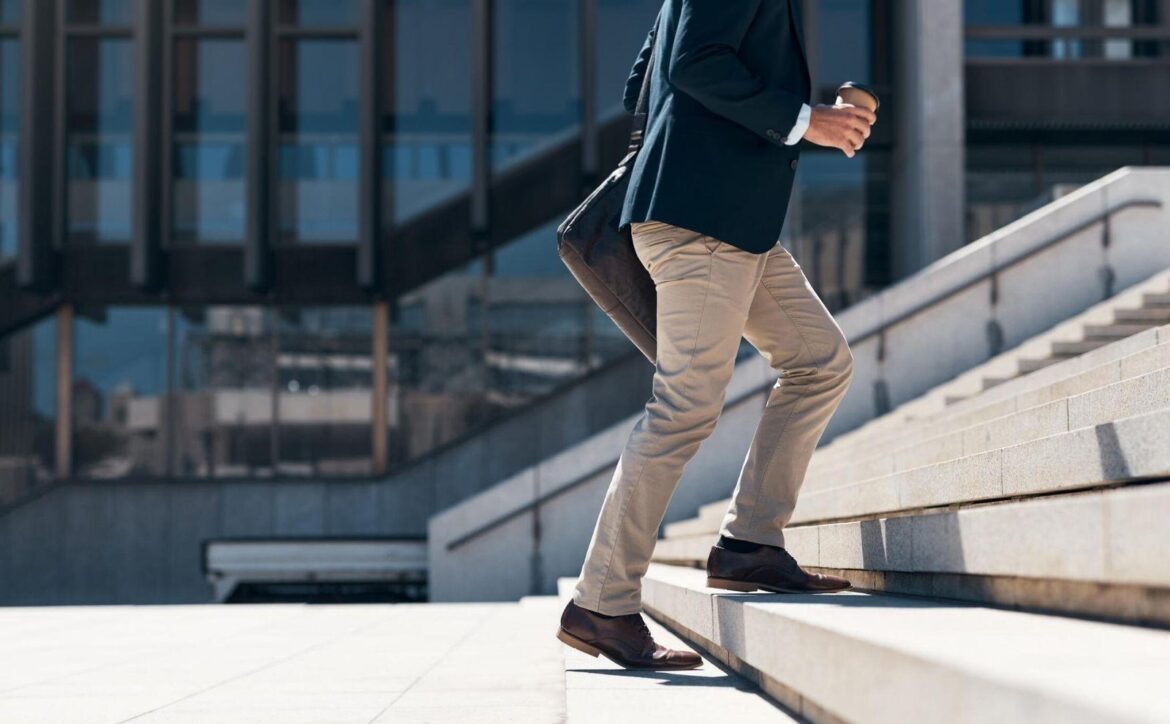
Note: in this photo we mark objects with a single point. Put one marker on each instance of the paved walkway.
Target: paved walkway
(295, 664)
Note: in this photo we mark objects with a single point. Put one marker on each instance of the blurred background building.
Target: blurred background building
(288, 267)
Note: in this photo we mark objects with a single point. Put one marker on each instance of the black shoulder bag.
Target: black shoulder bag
(601, 258)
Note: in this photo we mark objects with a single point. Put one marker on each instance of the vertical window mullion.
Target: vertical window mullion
(145, 254)
(37, 215)
(370, 145)
(482, 69)
(260, 166)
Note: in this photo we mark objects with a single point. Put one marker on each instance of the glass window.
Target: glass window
(99, 12)
(325, 382)
(844, 49)
(995, 12)
(211, 12)
(1066, 14)
(318, 140)
(837, 223)
(28, 408)
(427, 122)
(99, 146)
(1006, 13)
(623, 24)
(223, 392)
(466, 349)
(1004, 182)
(318, 12)
(9, 145)
(1117, 14)
(119, 392)
(209, 132)
(536, 81)
(10, 12)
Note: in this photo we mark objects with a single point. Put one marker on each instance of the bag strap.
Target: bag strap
(641, 112)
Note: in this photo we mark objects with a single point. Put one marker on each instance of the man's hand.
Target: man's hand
(841, 126)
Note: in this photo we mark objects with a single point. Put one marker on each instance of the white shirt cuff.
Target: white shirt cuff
(798, 130)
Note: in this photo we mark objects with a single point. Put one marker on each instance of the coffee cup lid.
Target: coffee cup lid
(864, 88)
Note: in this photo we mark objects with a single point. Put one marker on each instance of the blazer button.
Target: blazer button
(793, 164)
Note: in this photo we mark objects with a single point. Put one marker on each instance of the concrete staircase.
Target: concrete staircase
(981, 534)
(882, 658)
(1143, 306)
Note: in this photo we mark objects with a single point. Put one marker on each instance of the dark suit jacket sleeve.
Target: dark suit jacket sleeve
(704, 64)
(634, 82)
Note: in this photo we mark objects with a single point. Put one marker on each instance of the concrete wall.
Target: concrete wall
(1031, 297)
(139, 542)
(919, 353)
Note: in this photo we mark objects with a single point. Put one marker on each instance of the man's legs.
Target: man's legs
(705, 288)
(794, 331)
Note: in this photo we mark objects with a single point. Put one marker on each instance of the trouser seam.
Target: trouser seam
(641, 470)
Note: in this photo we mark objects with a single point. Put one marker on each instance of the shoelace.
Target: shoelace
(647, 637)
(786, 556)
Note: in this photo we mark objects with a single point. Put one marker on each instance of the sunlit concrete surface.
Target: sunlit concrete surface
(286, 664)
(600, 692)
(302, 664)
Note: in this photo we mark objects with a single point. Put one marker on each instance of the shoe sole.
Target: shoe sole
(571, 640)
(744, 587)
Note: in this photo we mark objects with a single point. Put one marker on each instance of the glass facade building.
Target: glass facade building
(10, 87)
(1015, 165)
(316, 238)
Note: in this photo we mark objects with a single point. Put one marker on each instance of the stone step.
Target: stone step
(915, 412)
(1071, 376)
(1084, 553)
(946, 439)
(969, 384)
(1099, 316)
(1102, 454)
(1092, 447)
(1145, 314)
(599, 691)
(1072, 349)
(1041, 411)
(1028, 366)
(988, 383)
(882, 658)
(1156, 299)
(1115, 331)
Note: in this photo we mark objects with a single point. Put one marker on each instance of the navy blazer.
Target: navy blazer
(728, 81)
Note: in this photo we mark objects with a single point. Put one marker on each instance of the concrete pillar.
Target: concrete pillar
(927, 173)
(64, 426)
(380, 393)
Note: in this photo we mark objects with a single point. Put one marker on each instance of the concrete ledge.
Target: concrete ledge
(1090, 457)
(1104, 454)
(1072, 376)
(1089, 553)
(1126, 387)
(1132, 385)
(875, 658)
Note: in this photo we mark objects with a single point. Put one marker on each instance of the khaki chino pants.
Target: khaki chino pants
(710, 293)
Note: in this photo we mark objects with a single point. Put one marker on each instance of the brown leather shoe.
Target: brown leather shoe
(770, 568)
(624, 640)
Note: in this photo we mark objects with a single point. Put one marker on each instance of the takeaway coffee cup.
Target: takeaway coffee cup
(856, 94)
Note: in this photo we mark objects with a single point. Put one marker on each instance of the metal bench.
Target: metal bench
(316, 569)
